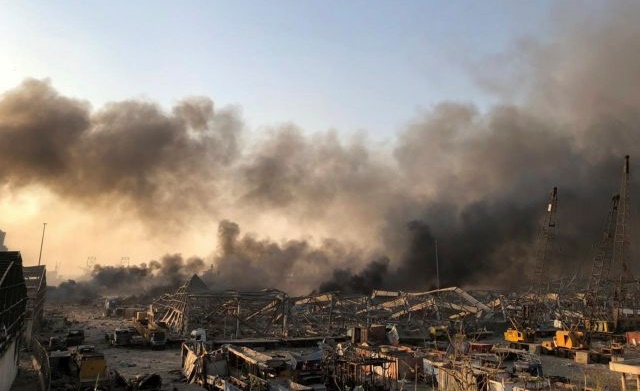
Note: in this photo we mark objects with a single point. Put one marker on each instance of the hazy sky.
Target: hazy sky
(345, 65)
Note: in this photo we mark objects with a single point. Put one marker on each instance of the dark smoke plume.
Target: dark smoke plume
(245, 262)
(346, 281)
(142, 282)
(477, 181)
(130, 153)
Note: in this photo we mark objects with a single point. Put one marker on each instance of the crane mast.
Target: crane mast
(620, 258)
(600, 269)
(525, 323)
(544, 245)
(603, 259)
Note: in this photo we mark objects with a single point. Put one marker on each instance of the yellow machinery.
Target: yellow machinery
(92, 366)
(567, 340)
(599, 326)
(517, 336)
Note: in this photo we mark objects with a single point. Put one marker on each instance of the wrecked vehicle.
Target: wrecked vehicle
(153, 335)
(75, 337)
(82, 367)
(120, 337)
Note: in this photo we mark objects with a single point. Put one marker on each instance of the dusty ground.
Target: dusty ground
(130, 362)
(595, 376)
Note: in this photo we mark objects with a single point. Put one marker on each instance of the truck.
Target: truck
(153, 334)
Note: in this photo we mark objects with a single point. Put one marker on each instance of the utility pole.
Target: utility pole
(437, 265)
(44, 226)
(435, 242)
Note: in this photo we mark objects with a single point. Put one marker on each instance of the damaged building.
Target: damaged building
(233, 315)
(13, 296)
(36, 281)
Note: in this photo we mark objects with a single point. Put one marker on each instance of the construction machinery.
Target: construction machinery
(625, 311)
(610, 272)
(518, 334)
(609, 265)
(566, 340)
(523, 331)
(81, 368)
(544, 245)
(597, 318)
(154, 334)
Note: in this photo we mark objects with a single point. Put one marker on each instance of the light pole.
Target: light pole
(44, 226)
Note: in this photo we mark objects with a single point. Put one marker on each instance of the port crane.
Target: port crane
(523, 331)
(545, 245)
(595, 318)
(596, 315)
(609, 273)
(620, 259)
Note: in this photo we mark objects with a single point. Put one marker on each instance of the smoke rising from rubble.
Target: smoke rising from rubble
(144, 281)
(362, 216)
(240, 261)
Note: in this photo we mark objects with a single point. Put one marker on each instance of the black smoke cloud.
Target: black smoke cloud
(129, 153)
(140, 283)
(295, 266)
(477, 181)
(344, 280)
